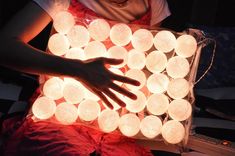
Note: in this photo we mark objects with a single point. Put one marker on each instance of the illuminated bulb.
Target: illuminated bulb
(88, 110)
(157, 104)
(177, 67)
(78, 36)
(118, 52)
(118, 72)
(66, 113)
(58, 44)
(180, 110)
(63, 22)
(53, 88)
(137, 105)
(178, 88)
(164, 41)
(120, 34)
(114, 104)
(75, 53)
(73, 93)
(156, 61)
(142, 40)
(136, 75)
(173, 132)
(151, 126)
(157, 83)
(90, 95)
(95, 49)
(186, 46)
(99, 29)
(136, 59)
(108, 120)
(129, 125)
(44, 108)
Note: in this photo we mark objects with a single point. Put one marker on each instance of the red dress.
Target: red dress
(45, 138)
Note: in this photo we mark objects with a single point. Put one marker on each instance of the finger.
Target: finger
(123, 91)
(114, 98)
(125, 79)
(112, 61)
(104, 99)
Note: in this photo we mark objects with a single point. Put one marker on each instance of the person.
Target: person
(16, 53)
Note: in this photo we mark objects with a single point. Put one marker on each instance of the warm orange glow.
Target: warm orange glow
(95, 49)
(118, 52)
(120, 34)
(73, 93)
(88, 110)
(178, 88)
(63, 22)
(157, 83)
(58, 44)
(129, 125)
(186, 46)
(142, 40)
(136, 75)
(53, 88)
(75, 53)
(156, 61)
(136, 59)
(137, 105)
(99, 29)
(157, 104)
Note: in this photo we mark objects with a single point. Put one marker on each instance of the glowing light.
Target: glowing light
(43, 108)
(53, 88)
(118, 52)
(177, 67)
(157, 83)
(78, 36)
(115, 105)
(63, 22)
(173, 132)
(156, 61)
(136, 75)
(99, 29)
(95, 49)
(164, 41)
(157, 104)
(180, 110)
(66, 113)
(151, 126)
(142, 40)
(129, 125)
(73, 93)
(108, 120)
(90, 95)
(118, 72)
(75, 53)
(120, 34)
(58, 44)
(88, 110)
(186, 46)
(178, 88)
(137, 105)
(136, 59)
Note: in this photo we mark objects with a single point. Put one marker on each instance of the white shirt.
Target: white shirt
(131, 11)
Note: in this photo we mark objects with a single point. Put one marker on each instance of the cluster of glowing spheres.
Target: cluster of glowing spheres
(120, 34)
(157, 104)
(137, 105)
(151, 126)
(118, 52)
(142, 40)
(75, 53)
(186, 46)
(118, 72)
(129, 125)
(180, 109)
(66, 113)
(136, 75)
(58, 44)
(44, 108)
(88, 110)
(157, 83)
(136, 59)
(178, 88)
(73, 93)
(156, 61)
(53, 88)
(63, 22)
(95, 49)
(99, 29)
(173, 132)
(108, 120)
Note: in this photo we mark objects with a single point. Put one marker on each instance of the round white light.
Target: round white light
(177, 67)
(136, 75)
(118, 52)
(137, 105)
(164, 41)
(73, 93)
(75, 53)
(142, 40)
(99, 29)
(95, 49)
(120, 34)
(136, 59)
(88, 110)
(53, 88)
(178, 88)
(108, 120)
(156, 61)
(78, 36)
(151, 126)
(129, 125)
(157, 83)
(114, 104)
(173, 132)
(66, 113)
(63, 22)
(118, 72)
(44, 108)
(180, 110)
(157, 104)
(90, 95)
(58, 44)
(186, 46)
